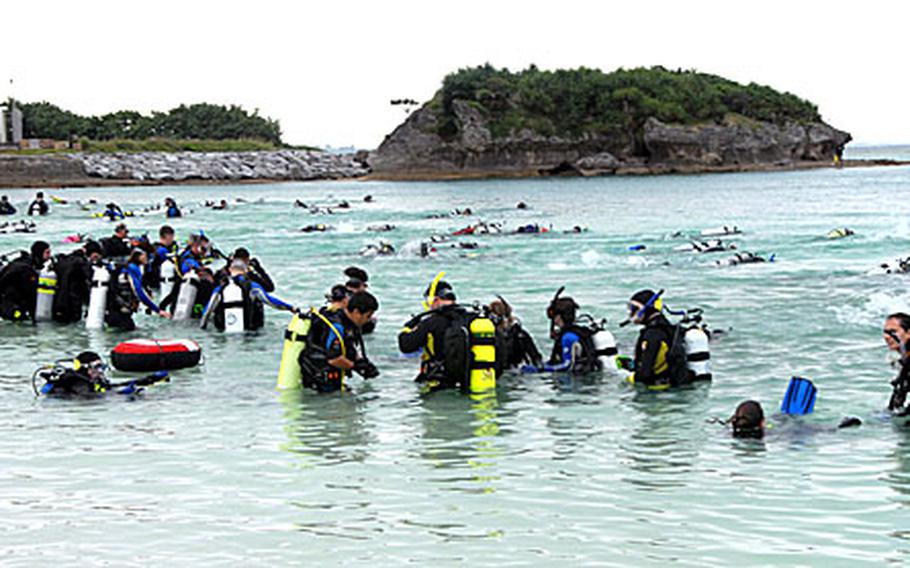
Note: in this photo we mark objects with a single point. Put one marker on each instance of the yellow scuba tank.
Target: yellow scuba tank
(483, 355)
(289, 376)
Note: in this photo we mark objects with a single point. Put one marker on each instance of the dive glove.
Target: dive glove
(366, 369)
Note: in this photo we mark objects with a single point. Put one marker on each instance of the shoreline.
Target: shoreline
(38, 178)
(636, 171)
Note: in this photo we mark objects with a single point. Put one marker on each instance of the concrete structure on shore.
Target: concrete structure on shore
(10, 125)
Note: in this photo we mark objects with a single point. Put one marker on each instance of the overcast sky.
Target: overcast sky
(328, 70)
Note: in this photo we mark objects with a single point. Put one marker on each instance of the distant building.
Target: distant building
(10, 125)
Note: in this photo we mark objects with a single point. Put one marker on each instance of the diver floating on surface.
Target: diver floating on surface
(839, 233)
(85, 376)
(744, 257)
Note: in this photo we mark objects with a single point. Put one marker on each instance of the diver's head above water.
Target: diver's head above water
(360, 308)
(748, 421)
(897, 331)
(443, 295)
(644, 305)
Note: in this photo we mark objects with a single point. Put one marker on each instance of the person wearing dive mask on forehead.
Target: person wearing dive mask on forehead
(659, 355)
(896, 332)
(573, 350)
(88, 377)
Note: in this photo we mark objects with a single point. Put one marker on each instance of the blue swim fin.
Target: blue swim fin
(800, 397)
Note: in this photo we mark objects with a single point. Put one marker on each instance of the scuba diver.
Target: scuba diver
(126, 293)
(358, 281)
(87, 378)
(19, 283)
(897, 336)
(255, 271)
(74, 282)
(6, 208)
(748, 420)
(337, 299)
(574, 349)
(332, 343)
(221, 205)
(165, 249)
(113, 212)
(445, 333)
(172, 210)
(39, 205)
(518, 345)
(194, 255)
(246, 313)
(116, 246)
(660, 356)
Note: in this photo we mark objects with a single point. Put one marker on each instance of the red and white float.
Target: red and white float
(148, 355)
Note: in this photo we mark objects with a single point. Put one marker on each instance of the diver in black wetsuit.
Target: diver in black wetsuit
(87, 378)
(897, 336)
(660, 359)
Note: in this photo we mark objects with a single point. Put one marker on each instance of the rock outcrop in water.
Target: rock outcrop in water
(164, 167)
(469, 131)
(415, 150)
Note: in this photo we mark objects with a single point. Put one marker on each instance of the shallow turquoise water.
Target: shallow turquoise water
(217, 467)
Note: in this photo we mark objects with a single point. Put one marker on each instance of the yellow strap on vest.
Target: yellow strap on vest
(344, 351)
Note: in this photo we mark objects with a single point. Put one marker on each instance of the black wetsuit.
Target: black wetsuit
(900, 388)
(428, 333)
(18, 289)
(74, 284)
(74, 383)
(39, 207)
(6, 208)
(114, 247)
(519, 348)
(655, 365)
(323, 345)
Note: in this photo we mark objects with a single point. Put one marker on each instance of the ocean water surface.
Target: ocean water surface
(217, 467)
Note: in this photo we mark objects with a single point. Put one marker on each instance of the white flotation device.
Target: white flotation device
(101, 279)
(186, 299)
(289, 375)
(232, 303)
(149, 355)
(47, 287)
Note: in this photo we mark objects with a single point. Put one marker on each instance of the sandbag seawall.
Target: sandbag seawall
(152, 168)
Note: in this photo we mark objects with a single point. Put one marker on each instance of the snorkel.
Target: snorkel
(431, 295)
(551, 312)
(640, 312)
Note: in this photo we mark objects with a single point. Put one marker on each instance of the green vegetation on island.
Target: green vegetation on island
(575, 102)
(196, 127)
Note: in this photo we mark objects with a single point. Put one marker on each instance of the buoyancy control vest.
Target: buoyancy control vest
(120, 296)
(74, 278)
(584, 359)
(18, 289)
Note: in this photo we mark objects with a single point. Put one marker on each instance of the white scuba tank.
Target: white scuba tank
(186, 299)
(232, 302)
(167, 274)
(97, 303)
(605, 347)
(47, 286)
(698, 357)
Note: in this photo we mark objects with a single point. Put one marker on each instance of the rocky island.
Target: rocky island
(490, 122)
